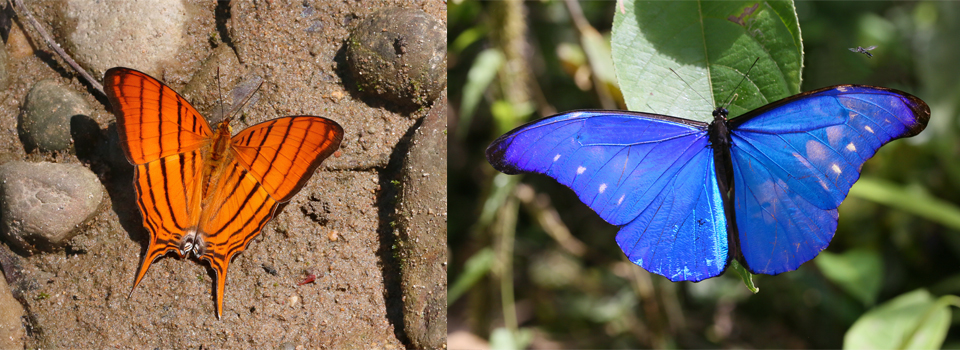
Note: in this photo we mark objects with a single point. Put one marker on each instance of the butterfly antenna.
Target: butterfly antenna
(220, 92)
(733, 94)
(688, 84)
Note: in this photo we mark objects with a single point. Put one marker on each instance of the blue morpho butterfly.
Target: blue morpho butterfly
(689, 196)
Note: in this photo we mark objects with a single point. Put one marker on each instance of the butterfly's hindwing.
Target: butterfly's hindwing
(168, 198)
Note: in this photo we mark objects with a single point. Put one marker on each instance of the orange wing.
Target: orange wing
(268, 164)
(152, 119)
(283, 153)
(168, 196)
(164, 137)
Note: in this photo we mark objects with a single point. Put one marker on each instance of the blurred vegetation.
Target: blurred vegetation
(531, 266)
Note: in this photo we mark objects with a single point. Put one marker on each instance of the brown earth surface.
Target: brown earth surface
(337, 228)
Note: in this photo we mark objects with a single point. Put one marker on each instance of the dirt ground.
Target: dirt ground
(337, 228)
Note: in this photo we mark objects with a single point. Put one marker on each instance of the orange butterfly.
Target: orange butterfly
(201, 191)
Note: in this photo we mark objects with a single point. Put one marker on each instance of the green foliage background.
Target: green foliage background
(531, 266)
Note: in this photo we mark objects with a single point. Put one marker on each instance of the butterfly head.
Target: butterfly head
(720, 112)
(223, 127)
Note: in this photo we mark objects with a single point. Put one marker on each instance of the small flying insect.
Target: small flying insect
(864, 50)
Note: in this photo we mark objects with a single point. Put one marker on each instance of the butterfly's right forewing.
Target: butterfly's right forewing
(652, 175)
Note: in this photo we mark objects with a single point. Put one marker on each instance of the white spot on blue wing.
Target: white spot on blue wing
(868, 129)
(621, 199)
(581, 169)
(603, 187)
(835, 168)
(851, 147)
(556, 157)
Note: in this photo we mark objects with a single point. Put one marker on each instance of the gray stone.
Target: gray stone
(400, 55)
(140, 34)
(45, 121)
(43, 204)
(12, 332)
(423, 232)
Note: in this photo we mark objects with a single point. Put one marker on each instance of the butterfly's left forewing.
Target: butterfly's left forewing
(652, 175)
(795, 160)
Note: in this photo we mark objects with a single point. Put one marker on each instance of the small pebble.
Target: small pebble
(45, 121)
(293, 300)
(269, 269)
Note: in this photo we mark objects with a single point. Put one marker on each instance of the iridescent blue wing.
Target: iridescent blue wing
(794, 161)
(652, 175)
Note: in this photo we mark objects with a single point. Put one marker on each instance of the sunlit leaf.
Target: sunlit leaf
(910, 321)
(504, 339)
(710, 46)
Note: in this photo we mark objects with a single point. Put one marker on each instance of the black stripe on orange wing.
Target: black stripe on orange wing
(152, 119)
(283, 153)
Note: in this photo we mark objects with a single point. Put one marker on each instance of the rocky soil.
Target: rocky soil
(73, 290)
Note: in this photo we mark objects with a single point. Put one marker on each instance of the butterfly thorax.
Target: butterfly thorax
(222, 141)
(719, 131)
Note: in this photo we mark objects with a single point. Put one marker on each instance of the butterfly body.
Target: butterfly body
(689, 196)
(203, 191)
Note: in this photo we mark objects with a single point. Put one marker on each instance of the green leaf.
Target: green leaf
(473, 270)
(711, 46)
(910, 321)
(858, 272)
(912, 200)
(508, 115)
(598, 49)
(480, 76)
(745, 276)
(504, 339)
